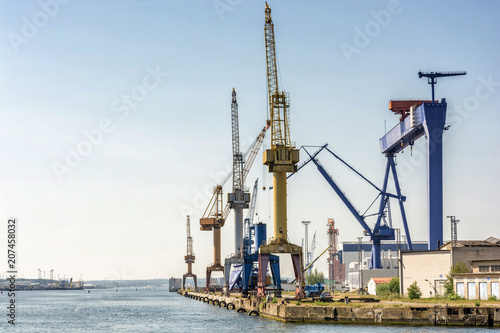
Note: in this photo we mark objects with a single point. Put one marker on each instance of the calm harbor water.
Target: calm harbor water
(153, 310)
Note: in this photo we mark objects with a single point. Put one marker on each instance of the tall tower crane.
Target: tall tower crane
(216, 214)
(239, 199)
(189, 258)
(281, 158)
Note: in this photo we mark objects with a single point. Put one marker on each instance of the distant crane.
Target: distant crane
(280, 159)
(190, 257)
(335, 268)
(310, 254)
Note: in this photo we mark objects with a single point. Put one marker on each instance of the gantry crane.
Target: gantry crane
(189, 258)
(213, 220)
(426, 118)
(280, 159)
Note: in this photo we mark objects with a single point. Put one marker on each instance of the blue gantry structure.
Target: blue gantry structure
(382, 229)
(418, 118)
(244, 275)
(423, 118)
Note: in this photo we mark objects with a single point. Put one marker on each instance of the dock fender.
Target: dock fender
(241, 310)
(254, 313)
(222, 304)
(230, 306)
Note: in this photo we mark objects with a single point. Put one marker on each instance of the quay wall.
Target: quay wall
(344, 314)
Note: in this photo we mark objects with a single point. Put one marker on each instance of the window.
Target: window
(484, 268)
(495, 268)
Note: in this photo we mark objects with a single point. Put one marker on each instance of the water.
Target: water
(154, 310)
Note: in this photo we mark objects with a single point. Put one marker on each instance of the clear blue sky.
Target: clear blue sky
(69, 67)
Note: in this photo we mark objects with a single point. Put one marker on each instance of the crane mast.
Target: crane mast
(239, 199)
(282, 157)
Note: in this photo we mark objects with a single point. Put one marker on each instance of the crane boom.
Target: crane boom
(251, 153)
(254, 151)
(251, 211)
(237, 157)
(278, 101)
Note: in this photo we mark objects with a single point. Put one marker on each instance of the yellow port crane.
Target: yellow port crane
(280, 159)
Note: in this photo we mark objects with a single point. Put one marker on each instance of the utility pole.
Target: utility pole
(454, 223)
(306, 242)
(360, 259)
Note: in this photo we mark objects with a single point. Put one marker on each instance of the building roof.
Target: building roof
(381, 280)
(487, 259)
(490, 241)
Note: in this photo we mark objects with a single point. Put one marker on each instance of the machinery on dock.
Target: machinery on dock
(314, 290)
(189, 258)
(244, 275)
(281, 159)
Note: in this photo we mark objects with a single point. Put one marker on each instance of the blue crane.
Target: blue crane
(420, 118)
(255, 236)
(381, 230)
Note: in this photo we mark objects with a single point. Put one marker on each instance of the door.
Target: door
(483, 290)
(460, 289)
(495, 289)
(471, 290)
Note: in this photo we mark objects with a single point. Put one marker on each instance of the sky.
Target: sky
(115, 121)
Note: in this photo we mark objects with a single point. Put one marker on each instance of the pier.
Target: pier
(284, 310)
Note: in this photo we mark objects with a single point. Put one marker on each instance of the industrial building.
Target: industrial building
(353, 251)
(431, 277)
(482, 283)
